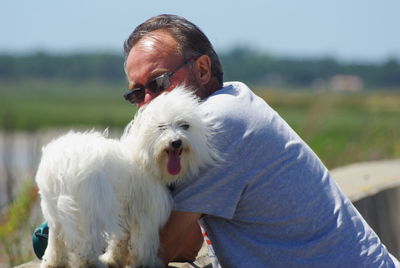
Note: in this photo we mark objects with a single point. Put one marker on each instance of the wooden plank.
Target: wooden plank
(374, 189)
(365, 179)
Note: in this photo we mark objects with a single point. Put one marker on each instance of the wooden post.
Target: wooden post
(382, 212)
(374, 189)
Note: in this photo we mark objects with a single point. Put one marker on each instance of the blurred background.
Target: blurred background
(330, 68)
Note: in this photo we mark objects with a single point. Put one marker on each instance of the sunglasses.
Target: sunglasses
(156, 85)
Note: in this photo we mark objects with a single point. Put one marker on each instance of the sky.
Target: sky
(352, 30)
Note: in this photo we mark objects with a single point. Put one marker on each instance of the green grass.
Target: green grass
(340, 128)
(39, 104)
(343, 128)
(16, 228)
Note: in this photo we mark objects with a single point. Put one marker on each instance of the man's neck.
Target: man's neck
(209, 88)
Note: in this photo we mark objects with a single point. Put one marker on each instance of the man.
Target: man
(272, 203)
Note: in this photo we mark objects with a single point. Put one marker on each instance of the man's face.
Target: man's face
(151, 57)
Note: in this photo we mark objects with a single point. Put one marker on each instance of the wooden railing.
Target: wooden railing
(374, 189)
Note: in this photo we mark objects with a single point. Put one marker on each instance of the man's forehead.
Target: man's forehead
(158, 40)
(151, 56)
(153, 47)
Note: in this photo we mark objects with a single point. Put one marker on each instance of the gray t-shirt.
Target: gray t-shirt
(272, 203)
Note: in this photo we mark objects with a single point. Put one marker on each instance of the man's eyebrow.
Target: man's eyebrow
(131, 85)
(157, 72)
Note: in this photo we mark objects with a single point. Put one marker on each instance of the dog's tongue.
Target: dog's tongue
(174, 162)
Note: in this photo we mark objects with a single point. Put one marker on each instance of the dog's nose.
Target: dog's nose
(176, 144)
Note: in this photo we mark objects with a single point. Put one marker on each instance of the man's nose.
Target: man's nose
(148, 97)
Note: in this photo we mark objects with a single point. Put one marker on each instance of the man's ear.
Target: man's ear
(203, 69)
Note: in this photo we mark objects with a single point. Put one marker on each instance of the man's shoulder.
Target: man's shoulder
(231, 90)
(233, 96)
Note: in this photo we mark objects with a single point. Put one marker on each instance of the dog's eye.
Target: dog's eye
(185, 126)
(162, 127)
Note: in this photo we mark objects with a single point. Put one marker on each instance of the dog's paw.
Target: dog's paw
(111, 262)
(84, 263)
(53, 266)
(48, 265)
(114, 265)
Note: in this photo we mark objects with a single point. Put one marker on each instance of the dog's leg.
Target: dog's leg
(145, 244)
(117, 253)
(87, 258)
(56, 255)
(87, 251)
(85, 263)
(150, 215)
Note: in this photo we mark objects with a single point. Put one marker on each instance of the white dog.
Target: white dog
(97, 192)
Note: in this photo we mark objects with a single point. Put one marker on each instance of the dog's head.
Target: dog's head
(170, 136)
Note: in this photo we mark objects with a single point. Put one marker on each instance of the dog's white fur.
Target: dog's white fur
(98, 192)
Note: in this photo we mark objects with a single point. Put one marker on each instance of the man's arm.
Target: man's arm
(181, 237)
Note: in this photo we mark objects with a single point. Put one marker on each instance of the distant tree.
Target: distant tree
(108, 67)
(254, 67)
(240, 63)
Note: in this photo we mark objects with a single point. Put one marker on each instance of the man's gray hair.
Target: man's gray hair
(192, 42)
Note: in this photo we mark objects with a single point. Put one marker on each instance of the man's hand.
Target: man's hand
(181, 237)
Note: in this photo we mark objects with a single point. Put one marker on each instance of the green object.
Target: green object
(39, 239)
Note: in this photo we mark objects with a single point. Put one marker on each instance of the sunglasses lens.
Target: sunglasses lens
(159, 84)
(135, 96)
